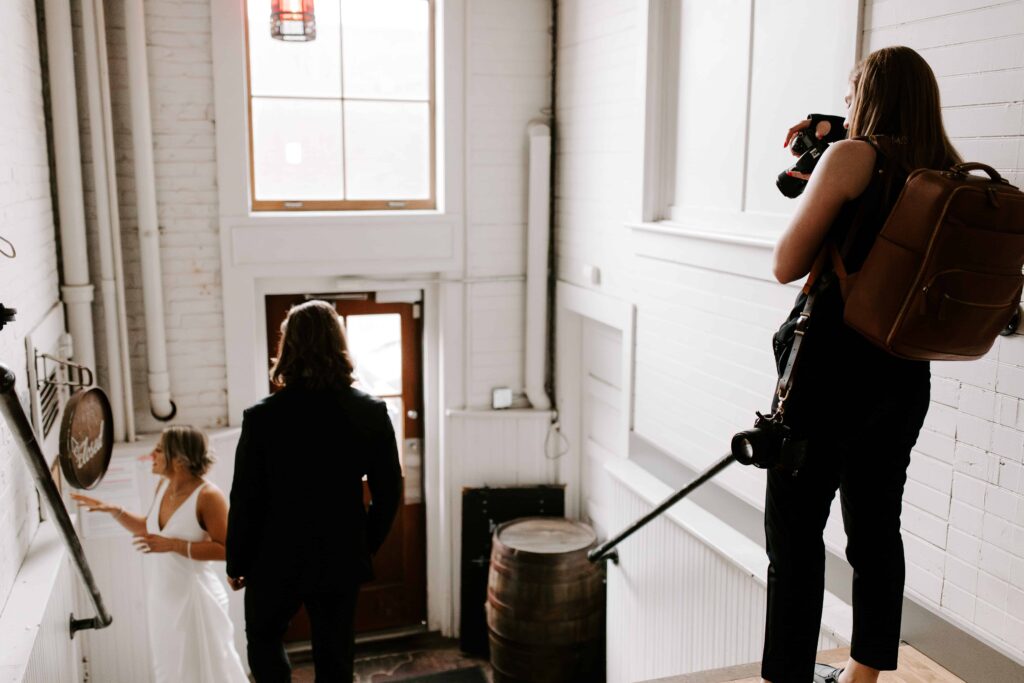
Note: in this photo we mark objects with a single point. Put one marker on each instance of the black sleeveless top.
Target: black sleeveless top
(838, 369)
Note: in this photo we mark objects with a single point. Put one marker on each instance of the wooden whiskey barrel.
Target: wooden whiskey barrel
(545, 603)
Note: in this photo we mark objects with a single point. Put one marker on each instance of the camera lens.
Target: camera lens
(743, 446)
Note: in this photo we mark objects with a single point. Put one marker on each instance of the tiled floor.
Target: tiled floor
(398, 660)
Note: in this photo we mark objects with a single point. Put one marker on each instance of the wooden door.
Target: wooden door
(385, 341)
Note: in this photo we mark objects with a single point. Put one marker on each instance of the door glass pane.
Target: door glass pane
(375, 342)
(397, 414)
(387, 150)
(297, 149)
(295, 69)
(386, 48)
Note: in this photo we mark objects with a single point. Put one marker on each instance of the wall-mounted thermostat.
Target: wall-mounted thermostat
(501, 397)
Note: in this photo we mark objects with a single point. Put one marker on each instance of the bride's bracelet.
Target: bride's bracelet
(120, 511)
(188, 550)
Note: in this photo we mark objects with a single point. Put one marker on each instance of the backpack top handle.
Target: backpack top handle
(965, 168)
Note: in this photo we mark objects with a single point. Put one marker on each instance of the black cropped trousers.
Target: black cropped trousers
(863, 450)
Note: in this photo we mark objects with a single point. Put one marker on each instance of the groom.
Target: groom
(298, 530)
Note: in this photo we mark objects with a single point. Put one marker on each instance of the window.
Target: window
(346, 121)
(717, 117)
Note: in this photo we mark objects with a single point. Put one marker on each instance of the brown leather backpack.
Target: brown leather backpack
(943, 277)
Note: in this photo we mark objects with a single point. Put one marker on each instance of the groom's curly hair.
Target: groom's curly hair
(313, 349)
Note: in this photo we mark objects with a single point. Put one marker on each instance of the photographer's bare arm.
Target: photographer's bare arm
(842, 174)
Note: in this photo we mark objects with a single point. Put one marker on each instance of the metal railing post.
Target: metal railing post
(25, 436)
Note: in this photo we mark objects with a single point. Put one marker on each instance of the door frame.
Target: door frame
(443, 338)
(572, 305)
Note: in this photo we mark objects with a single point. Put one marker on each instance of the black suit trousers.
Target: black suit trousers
(863, 453)
(269, 607)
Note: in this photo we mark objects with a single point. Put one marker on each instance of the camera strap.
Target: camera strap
(814, 281)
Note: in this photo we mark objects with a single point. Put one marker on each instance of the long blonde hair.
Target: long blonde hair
(895, 94)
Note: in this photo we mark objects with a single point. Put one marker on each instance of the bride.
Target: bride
(190, 633)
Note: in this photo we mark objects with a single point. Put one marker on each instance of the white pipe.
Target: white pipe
(538, 230)
(108, 286)
(77, 292)
(161, 405)
(115, 220)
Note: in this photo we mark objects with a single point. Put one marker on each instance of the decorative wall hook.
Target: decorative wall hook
(75, 375)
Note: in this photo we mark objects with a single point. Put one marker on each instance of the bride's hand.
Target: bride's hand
(154, 543)
(94, 505)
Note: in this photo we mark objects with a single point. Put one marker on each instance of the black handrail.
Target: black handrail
(26, 438)
(607, 549)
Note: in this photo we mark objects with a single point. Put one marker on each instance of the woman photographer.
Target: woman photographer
(860, 408)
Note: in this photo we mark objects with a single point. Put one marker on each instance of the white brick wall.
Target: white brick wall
(508, 84)
(28, 282)
(702, 351)
(971, 450)
(181, 101)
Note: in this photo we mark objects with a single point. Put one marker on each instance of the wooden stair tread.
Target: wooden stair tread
(914, 667)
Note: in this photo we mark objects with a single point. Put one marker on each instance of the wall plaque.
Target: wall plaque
(86, 438)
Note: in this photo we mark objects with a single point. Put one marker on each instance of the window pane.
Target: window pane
(295, 69)
(297, 149)
(386, 48)
(387, 147)
(375, 342)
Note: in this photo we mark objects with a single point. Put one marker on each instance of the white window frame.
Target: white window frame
(655, 216)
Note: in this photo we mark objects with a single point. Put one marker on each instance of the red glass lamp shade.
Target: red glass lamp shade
(292, 20)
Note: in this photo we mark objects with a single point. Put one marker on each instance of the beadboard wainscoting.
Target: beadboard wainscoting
(491, 448)
(688, 593)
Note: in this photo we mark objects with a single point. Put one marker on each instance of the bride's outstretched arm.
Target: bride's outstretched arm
(136, 524)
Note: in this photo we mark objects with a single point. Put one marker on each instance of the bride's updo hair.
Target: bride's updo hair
(189, 446)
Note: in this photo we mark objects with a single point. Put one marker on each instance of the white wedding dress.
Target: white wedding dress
(191, 637)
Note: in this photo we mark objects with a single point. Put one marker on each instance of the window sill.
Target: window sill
(723, 246)
(764, 239)
(318, 218)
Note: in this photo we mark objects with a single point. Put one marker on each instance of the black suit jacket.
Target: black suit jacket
(297, 515)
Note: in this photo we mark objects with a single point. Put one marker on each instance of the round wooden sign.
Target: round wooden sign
(86, 438)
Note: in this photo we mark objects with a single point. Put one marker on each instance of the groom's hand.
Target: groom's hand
(236, 584)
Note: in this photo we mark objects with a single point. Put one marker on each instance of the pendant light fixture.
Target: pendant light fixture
(292, 20)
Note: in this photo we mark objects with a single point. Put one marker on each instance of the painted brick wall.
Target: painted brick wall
(508, 84)
(508, 51)
(964, 503)
(181, 103)
(702, 353)
(28, 282)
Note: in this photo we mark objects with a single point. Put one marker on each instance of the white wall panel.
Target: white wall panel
(492, 448)
(675, 605)
(712, 97)
(56, 657)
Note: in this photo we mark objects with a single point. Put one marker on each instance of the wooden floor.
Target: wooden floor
(914, 667)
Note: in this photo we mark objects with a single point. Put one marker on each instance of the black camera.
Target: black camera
(770, 445)
(810, 149)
